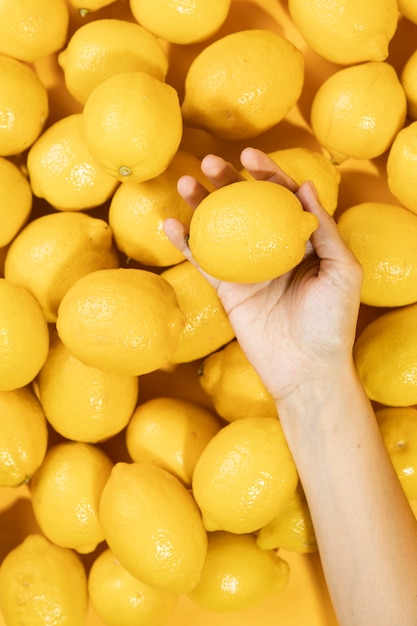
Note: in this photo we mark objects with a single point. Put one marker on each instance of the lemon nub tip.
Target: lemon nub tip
(125, 171)
(84, 12)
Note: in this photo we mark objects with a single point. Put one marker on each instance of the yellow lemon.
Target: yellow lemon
(401, 166)
(138, 211)
(53, 251)
(358, 110)
(20, 124)
(41, 583)
(250, 231)
(133, 125)
(233, 385)
(23, 436)
(84, 403)
(385, 355)
(24, 337)
(207, 325)
(125, 321)
(118, 597)
(15, 200)
(408, 78)
(85, 7)
(171, 433)
(398, 426)
(62, 171)
(104, 47)
(346, 31)
(66, 492)
(237, 574)
(383, 238)
(243, 475)
(153, 527)
(292, 529)
(179, 22)
(408, 9)
(243, 84)
(30, 31)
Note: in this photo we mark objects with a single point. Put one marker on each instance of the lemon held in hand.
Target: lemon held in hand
(250, 231)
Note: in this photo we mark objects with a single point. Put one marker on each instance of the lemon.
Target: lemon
(84, 403)
(408, 78)
(41, 583)
(385, 355)
(53, 251)
(181, 22)
(125, 321)
(87, 6)
(119, 598)
(358, 110)
(138, 211)
(401, 167)
(20, 124)
(408, 9)
(303, 164)
(292, 529)
(346, 31)
(24, 337)
(383, 238)
(30, 31)
(15, 200)
(66, 492)
(233, 385)
(398, 426)
(104, 47)
(250, 231)
(133, 125)
(244, 475)
(237, 574)
(23, 436)
(153, 527)
(243, 84)
(207, 325)
(171, 433)
(62, 171)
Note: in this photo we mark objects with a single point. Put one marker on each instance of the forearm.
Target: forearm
(366, 532)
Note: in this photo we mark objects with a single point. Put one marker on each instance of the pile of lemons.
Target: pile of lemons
(183, 487)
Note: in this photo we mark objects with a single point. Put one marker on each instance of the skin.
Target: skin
(298, 331)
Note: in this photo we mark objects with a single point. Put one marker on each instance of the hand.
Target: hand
(300, 326)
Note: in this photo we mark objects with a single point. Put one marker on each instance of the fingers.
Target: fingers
(177, 235)
(262, 167)
(218, 171)
(191, 190)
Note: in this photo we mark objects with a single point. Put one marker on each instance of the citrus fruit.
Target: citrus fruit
(138, 211)
(408, 9)
(30, 31)
(20, 124)
(153, 526)
(125, 321)
(398, 426)
(244, 475)
(179, 22)
(233, 385)
(401, 167)
(385, 355)
(171, 433)
(250, 231)
(66, 492)
(358, 110)
(292, 529)
(62, 171)
(84, 403)
(87, 6)
(118, 597)
(243, 84)
(207, 325)
(132, 125)
(53, 251)
(346, 31)
(104, 47)
(41, 583)
(24, 337)
(15, 200)
(382, 237)
(237, 574)
(408, 78)
(23, 436)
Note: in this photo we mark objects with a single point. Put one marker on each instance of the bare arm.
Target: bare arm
(298, 331)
